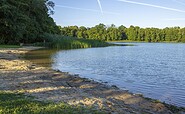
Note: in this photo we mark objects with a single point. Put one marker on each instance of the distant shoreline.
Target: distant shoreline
(47, 84)
(130, 41)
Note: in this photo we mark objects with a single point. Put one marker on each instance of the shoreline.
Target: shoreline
(22, 76)
(130, 41)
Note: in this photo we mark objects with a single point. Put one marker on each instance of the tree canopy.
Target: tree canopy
(132, 33)
(25, 21)
(29, 21)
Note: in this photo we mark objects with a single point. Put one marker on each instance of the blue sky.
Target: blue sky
(143, 13)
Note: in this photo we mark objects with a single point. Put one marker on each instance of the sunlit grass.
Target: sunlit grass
(11, 103)
(65, 42)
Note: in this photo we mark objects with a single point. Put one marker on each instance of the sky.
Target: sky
(143, 13)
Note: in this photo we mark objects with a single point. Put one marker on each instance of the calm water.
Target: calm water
(156, 70)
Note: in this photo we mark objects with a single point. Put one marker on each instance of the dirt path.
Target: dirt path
(19, 75)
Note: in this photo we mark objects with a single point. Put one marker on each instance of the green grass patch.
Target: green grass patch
(65, 42)
(10, 46)
(11, 103)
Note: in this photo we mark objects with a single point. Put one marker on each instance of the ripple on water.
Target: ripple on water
(153, 69)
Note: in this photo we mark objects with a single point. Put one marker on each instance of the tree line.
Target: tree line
(133, 33)
(26, 21)
(29, 21)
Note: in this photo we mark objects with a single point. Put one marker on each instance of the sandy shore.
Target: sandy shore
(20, 75)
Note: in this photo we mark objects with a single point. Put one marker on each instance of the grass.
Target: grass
(65, 42)
(10, 46)
(11, 103)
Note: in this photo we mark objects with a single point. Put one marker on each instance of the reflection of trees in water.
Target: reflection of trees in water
(41, 57)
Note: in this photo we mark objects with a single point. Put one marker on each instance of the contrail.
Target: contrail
(99, 3)
(151, 5)
(91, 10)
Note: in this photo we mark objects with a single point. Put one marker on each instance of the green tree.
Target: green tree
(122, 30)
(81, 33)
(25, 21)
(133, 33)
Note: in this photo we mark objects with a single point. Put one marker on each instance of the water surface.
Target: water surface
(156, 70)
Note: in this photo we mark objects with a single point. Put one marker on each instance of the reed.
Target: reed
(65, 42)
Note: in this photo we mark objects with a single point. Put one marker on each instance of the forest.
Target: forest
(133, 33)
(30, 21)
(26, 21)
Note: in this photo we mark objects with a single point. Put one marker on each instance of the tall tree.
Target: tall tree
(25, 21)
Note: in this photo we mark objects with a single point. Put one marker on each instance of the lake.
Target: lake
(156, 70)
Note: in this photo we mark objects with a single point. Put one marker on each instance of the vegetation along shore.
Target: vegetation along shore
(29, 88)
